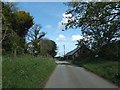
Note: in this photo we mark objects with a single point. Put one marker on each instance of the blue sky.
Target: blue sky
(50, 15)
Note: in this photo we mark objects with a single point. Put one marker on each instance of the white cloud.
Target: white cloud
(67, 15)
(48, 26)
(72, 39)
(76, 37)
(65, 18)
(64, 21)
(61, 38)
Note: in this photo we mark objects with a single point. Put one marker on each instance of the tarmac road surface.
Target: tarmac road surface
(69, 76)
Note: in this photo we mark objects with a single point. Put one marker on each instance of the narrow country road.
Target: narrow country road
(69, 76)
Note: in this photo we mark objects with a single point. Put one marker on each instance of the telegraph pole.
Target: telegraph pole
(64, 49)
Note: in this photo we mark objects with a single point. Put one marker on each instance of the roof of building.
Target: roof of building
(75, 50)
(72, 52)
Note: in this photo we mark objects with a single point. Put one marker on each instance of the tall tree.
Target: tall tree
(23, 21)
(99, 20)
(15, 26)
(34, 36)
(52, 52)
(7, 30)
(7, 13)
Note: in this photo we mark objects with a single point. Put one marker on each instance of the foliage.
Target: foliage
(84, 41)
(38, 45)
(34, 36)
(23, 21)
(110, 51)
(15, 26)
(26, 71)
(7, 31)
(48, 47)
(8, 10)
(99, 20)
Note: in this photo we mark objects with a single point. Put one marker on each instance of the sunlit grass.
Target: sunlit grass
(26, 71)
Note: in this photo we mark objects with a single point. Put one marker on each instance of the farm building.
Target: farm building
(78, 53)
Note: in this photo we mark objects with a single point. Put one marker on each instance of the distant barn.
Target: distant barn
(78, 53)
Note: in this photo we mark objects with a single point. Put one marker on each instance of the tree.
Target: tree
(33, 37)
(53, 52)
(111, 51)
(7, 17)
(15, 26)
(23, 21)
(48, 47)
(8, 10)
(99, 20)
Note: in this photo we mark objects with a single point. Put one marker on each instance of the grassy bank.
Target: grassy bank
(103, 68)
(26, 71)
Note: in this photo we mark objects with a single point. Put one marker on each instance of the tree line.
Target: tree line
(20, 35)
(100, 26)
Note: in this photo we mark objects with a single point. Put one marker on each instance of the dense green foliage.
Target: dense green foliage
(26, 71)
(106, 69)
(99, 23)
(23, 21)
(110, 51)
(48, 47)
(15, 26)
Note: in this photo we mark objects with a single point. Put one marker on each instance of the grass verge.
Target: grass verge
(26, 71)
(103, 68)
